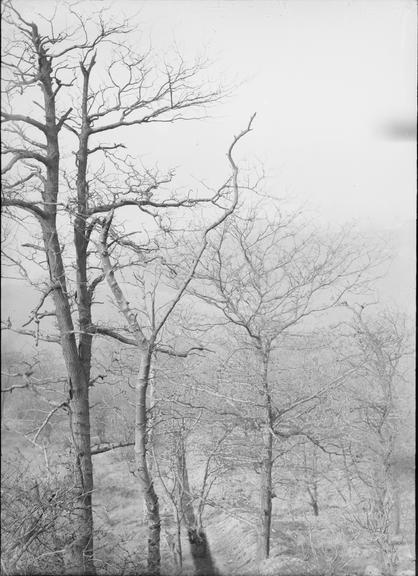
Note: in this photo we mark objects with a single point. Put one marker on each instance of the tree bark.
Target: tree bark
(314, 500)
(397, 510)
(82, 232)
(266, 487)
(145, 350)
(81, 550)
(146, 346)
(80, 558)
(145, 479)
(266, 495)
(3, 404)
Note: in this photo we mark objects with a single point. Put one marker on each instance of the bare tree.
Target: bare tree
(192, 514)
(268, 275)
(379, 345)
(187, 427)
(34, 513)
(73, 107)
(311, 474)
(147, 343)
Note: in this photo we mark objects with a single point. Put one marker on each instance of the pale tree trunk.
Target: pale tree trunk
(146, 347)
(174, 540)
(199, 546)
(145, 350)
(144, 475)
(150, 424)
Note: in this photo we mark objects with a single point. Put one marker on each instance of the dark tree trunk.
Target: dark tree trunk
(80, 558)
(266, 495)
(145, 349)
(199, 545)
(397, 510)
(3, 404)
(80, 551)
(313, 494)
(82, 232)
(199, 548)
(266, 486)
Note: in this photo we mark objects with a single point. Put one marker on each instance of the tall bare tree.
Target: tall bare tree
(58, 99)
(268, 274)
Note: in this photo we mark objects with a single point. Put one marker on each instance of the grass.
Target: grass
(301, 543)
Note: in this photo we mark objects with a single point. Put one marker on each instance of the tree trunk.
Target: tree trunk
(313, 494)
(266, 486)
(266, 495)
(145, 349)
(178, 551)
(145, 479)
(81, 240)
(81, 549)
(199, 546)
(396, 510)
(396, 499)
(82, 232)
(3, 404)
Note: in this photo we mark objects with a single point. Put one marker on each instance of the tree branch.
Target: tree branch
(99, 448)
(215, 224)
(103, 331)
(21, 118)
(47, 419)
(24, 205)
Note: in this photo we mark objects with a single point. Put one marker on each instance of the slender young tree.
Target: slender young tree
(183, 424)
(147, 344)
(379, 346)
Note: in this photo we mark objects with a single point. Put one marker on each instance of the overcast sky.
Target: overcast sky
(333, 84)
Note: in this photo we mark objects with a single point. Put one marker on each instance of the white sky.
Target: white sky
(324, 78)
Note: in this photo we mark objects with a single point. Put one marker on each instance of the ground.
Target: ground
(301, 543)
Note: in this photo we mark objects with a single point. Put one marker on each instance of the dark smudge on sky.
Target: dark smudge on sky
(399, 130)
